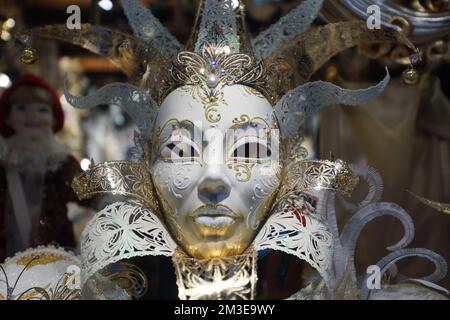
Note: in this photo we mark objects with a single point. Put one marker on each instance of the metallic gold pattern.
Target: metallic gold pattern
(117, 178)
(127, 276)
(309, 175)
(210, 104)
(28, 55)
(243, 170)
(227, 278)
(294, 63)
(40, 259)
(216, 67)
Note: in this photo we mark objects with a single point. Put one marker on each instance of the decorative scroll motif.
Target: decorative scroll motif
(308, 99)
(210, 104)
(327, 175)
(343, 278)
(120, 231)
(287, 28)
(42, 273)
(230, 278)
(218, 25)
(135, 102)
(297, 228)
(315, 175)
(117, 178)
(385, 263)
(352, 229)
(149, 29)
(215, 68)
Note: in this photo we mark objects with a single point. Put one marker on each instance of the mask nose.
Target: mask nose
(214, 187)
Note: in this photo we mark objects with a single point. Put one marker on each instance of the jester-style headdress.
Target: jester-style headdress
(277, 65)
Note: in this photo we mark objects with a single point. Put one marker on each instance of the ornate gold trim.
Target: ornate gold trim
(117, 178)
(315, 175)
(227, 278)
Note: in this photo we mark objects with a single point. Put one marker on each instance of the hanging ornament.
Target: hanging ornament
(410, 76)
(28, 55)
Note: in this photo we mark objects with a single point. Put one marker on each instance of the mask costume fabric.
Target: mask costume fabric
(218, 171)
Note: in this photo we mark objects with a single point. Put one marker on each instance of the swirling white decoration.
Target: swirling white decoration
(261, 191)
(135, 102)
(342, 281)
(385, 263)
(374, 182)
(306, 100)
(120, 231)
(354, 226)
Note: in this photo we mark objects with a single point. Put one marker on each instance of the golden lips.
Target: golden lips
(214, 220)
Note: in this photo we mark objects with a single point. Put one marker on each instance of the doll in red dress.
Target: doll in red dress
(35, 169)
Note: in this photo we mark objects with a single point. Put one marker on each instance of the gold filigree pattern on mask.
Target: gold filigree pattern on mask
(316, 175)
(124, 178)
(241, 165)
(228, 278)
(243, 170)
(241, 120)
(39, 260)
(215, 68)
(210, 104)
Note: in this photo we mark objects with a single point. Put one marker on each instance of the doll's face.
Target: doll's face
(30, 112)
(215, 168)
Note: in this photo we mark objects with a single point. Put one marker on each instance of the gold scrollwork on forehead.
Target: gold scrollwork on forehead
(117, 178)
(210, 104)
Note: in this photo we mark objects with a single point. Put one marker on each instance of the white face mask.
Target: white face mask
(215, 168)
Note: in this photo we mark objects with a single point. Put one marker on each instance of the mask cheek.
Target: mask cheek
(263, 190)
(175, 183)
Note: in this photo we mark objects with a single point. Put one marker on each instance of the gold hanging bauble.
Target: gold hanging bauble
(410, 76)
(28, 55)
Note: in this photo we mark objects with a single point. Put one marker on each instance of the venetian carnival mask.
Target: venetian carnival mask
(218, 173)
(215, 179)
